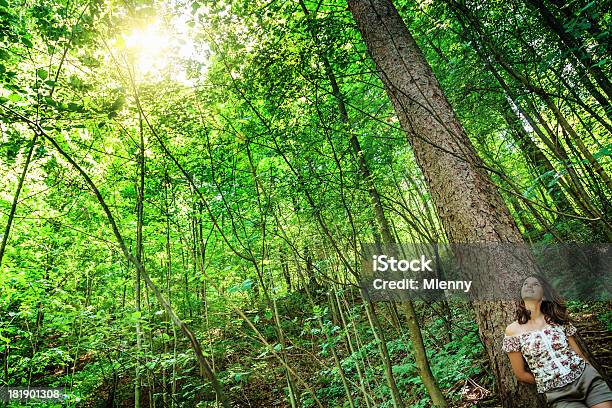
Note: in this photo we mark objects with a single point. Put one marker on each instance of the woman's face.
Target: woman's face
(532, 289)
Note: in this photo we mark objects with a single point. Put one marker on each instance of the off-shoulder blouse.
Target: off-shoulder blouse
(549, 356)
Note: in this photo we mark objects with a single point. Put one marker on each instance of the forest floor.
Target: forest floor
(597, 338)
(263, 384)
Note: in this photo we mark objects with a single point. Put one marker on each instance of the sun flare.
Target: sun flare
(147, 48)
(162, 51)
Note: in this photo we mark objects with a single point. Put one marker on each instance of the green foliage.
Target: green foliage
(253, 195)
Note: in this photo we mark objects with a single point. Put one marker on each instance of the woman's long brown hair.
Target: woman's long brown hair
(553, 306)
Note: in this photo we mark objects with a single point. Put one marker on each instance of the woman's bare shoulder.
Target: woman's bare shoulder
(512, 329)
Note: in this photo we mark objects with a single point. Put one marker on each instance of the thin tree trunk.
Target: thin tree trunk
(384, 352)
(362, 379)
(575, 47)
(583, 149)
(574, 187)
(293, 395)
(328, 338)
(139, 257)
(9, 222)
(594, 29)
(166, 274)
(535, 157)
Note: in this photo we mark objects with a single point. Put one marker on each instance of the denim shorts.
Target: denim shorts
(585, 391)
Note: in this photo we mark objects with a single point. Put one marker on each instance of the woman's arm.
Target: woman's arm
(518, 366)
(574, 345)
(512, 347)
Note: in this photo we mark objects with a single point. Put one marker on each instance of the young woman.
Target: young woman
(543, 336)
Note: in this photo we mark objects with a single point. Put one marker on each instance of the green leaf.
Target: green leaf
(247, 285)
(73, 107)
(42, 73)
(118, 104)
(604, 151)
(75, 81)
(588, 6)
(15, 97)
(243, 287)
(238, 377)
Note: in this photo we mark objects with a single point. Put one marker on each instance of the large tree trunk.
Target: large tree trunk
(467, 202)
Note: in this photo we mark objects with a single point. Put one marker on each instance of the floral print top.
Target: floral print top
(549, 356)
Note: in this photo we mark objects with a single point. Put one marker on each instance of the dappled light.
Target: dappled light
(305, 204)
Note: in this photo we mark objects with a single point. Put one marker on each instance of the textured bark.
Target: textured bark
(468, 203)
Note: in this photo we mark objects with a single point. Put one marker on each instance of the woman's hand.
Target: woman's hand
(518, 366)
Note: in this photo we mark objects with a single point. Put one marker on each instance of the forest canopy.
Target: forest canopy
(188, 187)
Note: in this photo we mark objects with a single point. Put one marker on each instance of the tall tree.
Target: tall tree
(468, 203)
